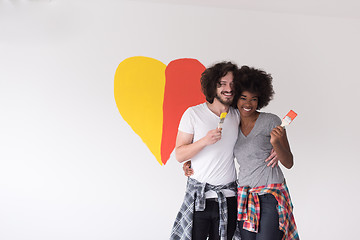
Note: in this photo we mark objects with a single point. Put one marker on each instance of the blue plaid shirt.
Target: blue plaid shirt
(195, 196)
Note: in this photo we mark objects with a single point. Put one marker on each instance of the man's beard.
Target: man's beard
(226, 103)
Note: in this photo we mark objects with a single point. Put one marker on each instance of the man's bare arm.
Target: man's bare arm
(185, 148)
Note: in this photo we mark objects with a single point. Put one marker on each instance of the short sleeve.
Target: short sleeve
(275, 121)
(187, 122)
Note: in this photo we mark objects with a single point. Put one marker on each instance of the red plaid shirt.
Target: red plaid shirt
(249, 208)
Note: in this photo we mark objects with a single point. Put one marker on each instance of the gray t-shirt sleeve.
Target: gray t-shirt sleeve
(274, 121)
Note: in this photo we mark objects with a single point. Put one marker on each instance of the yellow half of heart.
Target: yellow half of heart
(139, 94)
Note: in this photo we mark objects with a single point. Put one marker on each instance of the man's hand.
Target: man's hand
(272, 159)
(212, 136)
(187, 169)
(185, 148)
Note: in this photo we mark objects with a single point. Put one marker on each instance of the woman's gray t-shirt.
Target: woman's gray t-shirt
(252, 150)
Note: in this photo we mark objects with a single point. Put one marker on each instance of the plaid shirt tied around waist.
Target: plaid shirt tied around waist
(195, 198)
(249, 208)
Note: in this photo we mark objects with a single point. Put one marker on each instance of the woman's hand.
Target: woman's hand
(281, 146)
(276, 135)
(187, 169)
(272, 159)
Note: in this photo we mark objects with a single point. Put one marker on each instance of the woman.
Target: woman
(262, 192)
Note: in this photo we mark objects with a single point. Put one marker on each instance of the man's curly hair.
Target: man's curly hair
(210, 78)
(255, 81)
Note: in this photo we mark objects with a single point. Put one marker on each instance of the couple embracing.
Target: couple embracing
(255, 205)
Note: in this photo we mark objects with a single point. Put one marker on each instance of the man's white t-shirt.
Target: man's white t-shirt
(214, 164)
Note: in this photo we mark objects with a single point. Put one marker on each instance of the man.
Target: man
(209, 208)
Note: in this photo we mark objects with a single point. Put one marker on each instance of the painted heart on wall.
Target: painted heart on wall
(151, 98)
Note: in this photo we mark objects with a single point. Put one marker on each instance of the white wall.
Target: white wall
(71, 167)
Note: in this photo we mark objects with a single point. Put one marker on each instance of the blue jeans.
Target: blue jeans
(269, 221)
